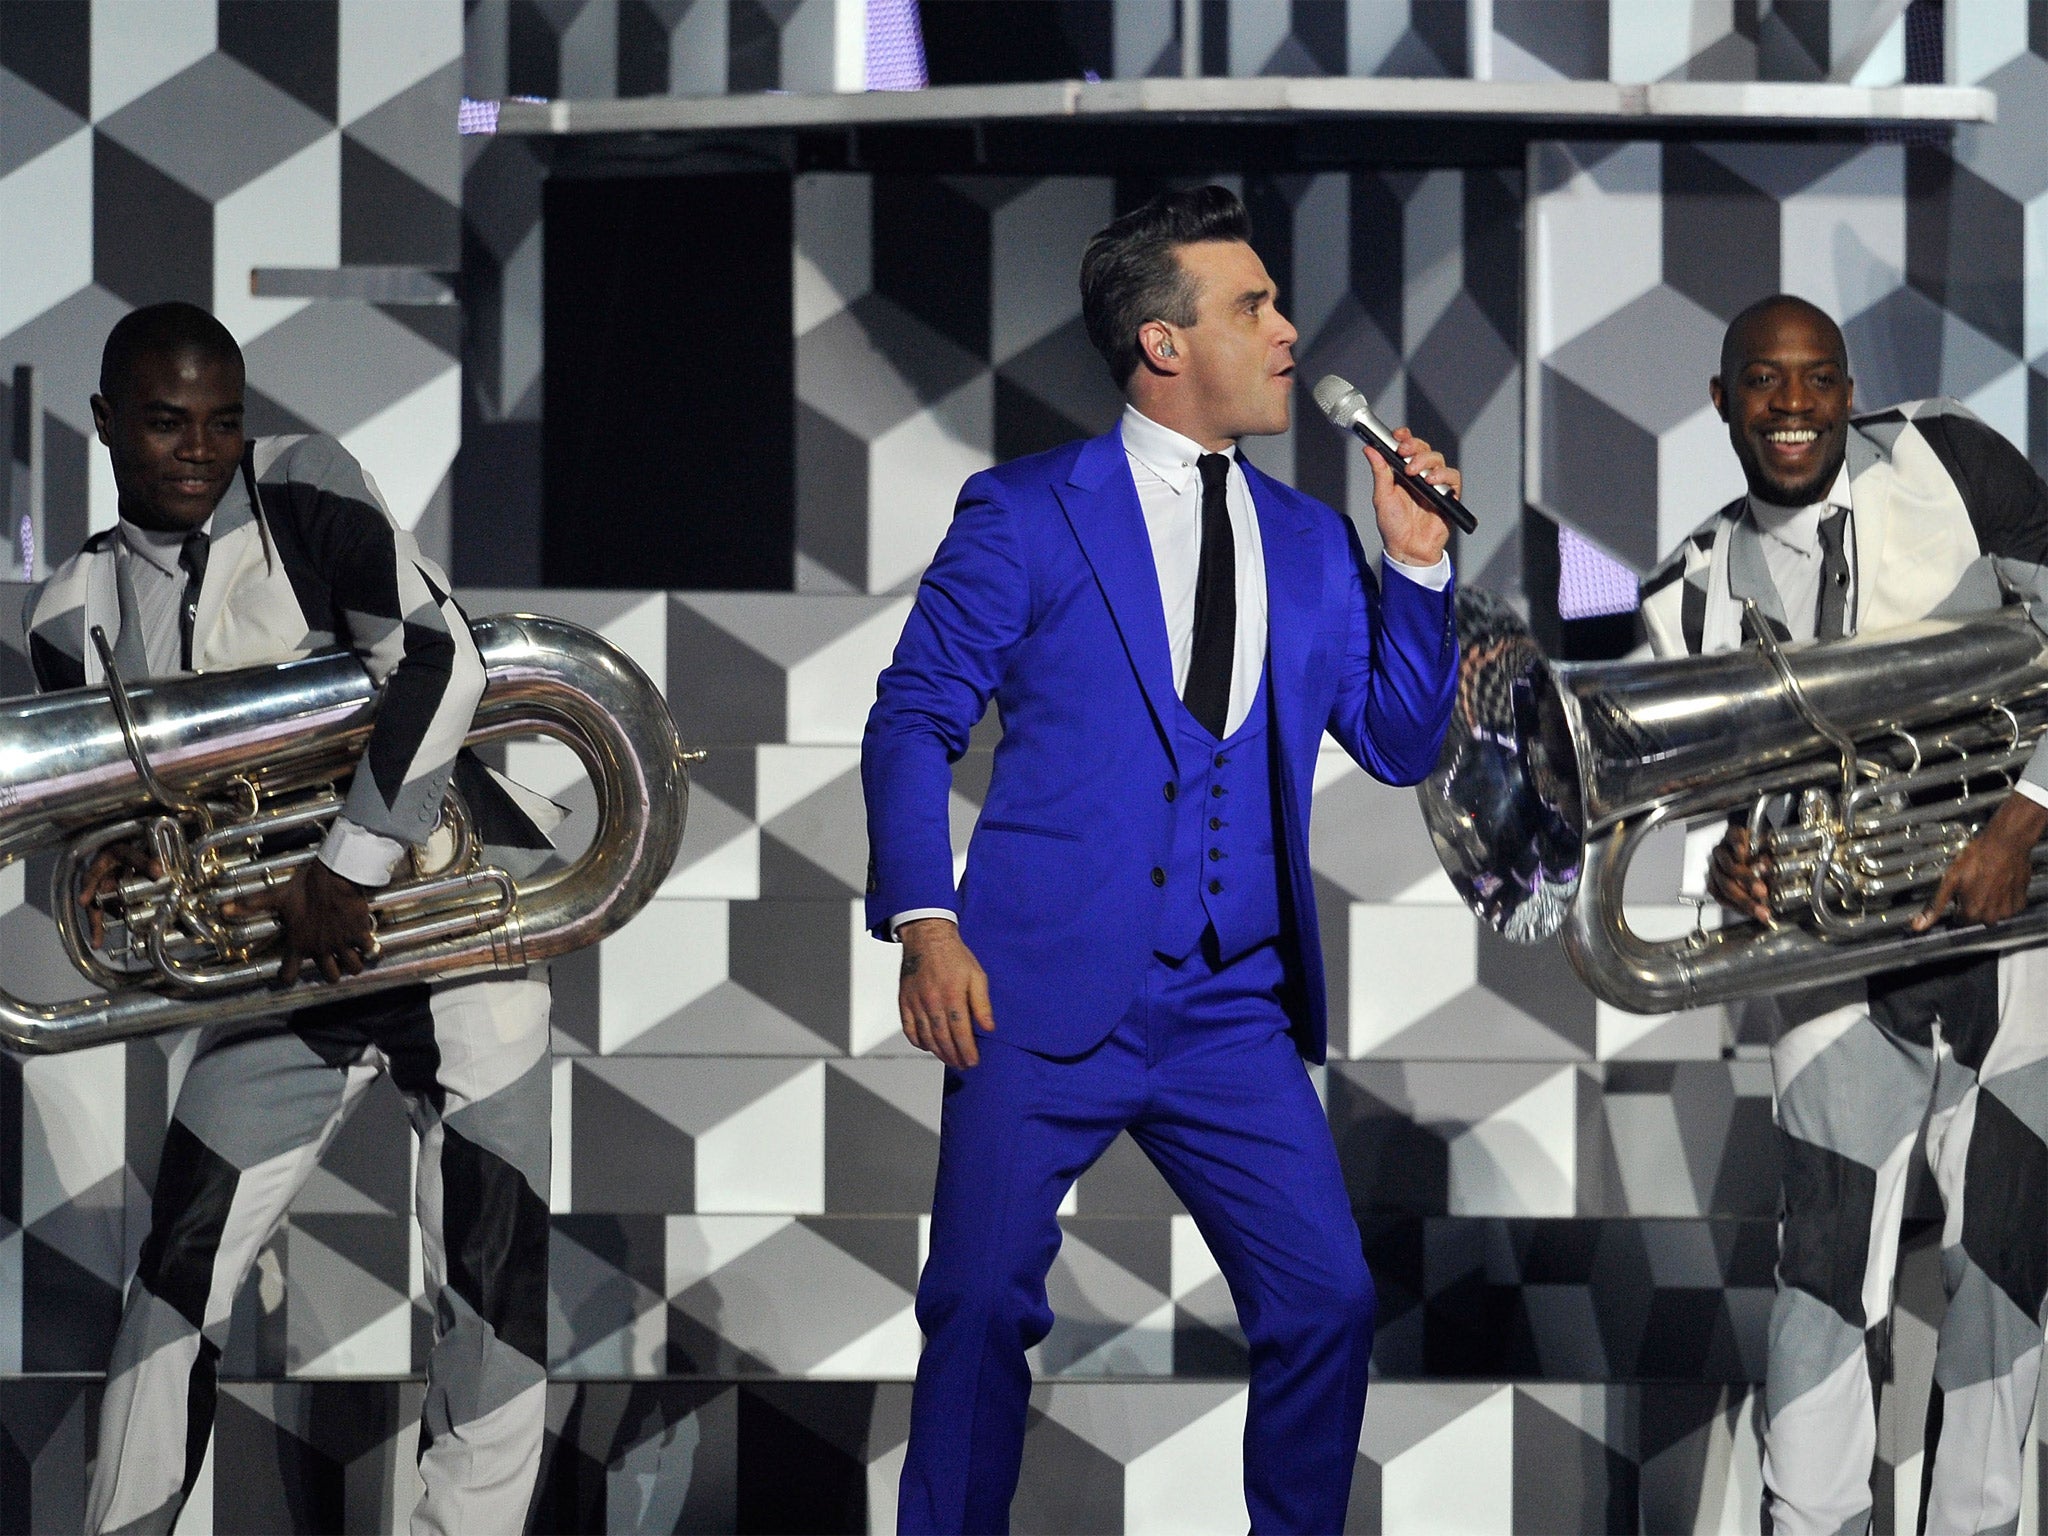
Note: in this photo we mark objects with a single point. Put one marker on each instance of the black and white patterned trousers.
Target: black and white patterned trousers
(257, 1105)
(1957, 1053)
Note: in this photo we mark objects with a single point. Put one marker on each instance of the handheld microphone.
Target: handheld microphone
(1347, 408)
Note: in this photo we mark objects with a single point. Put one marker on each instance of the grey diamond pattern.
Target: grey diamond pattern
(1570, 1212)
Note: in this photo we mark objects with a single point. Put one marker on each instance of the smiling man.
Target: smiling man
(1167, 633)
(1856, 523)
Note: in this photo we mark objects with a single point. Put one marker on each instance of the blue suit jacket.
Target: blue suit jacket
(1043, 596)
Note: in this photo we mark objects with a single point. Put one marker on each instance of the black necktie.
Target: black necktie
(1831, 617)
(192, 558)
(1208, 691)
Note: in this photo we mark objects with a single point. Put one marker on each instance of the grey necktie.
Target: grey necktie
(192, 559)
(1831, 617)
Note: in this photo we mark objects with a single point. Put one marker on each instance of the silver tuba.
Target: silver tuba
(1860, 766)
(222, 784)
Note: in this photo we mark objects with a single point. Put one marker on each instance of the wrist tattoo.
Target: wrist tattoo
(912, 960)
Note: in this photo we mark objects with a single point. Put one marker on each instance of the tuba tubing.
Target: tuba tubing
(65, 769)
(1602, 754)
(1665, 732)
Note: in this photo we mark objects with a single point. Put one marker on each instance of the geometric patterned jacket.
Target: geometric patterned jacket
(1933, 489)
(314, 560)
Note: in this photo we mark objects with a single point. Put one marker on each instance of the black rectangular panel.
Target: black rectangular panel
(669, 387)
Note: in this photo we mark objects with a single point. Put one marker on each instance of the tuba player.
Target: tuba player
(233, 551)
(1855, 523)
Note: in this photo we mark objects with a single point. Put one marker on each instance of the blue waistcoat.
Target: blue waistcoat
(1221, 872)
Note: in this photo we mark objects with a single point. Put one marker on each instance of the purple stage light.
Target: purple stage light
(474, 116)
(1589, 582)
(895, 47)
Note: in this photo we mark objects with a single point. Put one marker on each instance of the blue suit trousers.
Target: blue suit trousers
(1204, 1075)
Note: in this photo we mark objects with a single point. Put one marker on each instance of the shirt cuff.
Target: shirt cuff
(1433, 578)
(914, 914)
(2038, 793)
(1696, 861)
(356, 853)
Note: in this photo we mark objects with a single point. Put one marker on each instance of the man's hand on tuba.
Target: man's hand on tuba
(1987, 882)
(1736, 875)
(324, 920)
(102, 878)
(327, 923)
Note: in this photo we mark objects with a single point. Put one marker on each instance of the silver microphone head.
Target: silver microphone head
(1345, 404)
(1338, 399)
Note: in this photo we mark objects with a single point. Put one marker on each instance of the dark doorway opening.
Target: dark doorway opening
(669, 437)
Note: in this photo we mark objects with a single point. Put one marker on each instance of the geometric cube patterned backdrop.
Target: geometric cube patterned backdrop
(160, 149)
(913, 374)
(1921, 257)
(1933, 257)
(1569, 1210)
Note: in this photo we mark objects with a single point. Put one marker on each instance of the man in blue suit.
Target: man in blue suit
(1168, 634)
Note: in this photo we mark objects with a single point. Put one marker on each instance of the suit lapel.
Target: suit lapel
(1101, 506)
(237, 543)
(64, 609)
(102, 607)
(1293, 591)
(1870, 503)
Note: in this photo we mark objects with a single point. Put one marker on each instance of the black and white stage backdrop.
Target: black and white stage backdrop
(1569, 1209)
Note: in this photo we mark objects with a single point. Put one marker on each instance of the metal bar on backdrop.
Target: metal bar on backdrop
(1190, 39)
(1554, 104)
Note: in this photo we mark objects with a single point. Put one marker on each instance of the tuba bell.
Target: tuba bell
(1860, 766)
(221, 785)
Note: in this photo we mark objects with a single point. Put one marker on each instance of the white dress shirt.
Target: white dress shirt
(1791, 540)
(1163, 467)
(148, 565)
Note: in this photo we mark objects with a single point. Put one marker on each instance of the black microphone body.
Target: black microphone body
(1448, 507)
(1347, 408)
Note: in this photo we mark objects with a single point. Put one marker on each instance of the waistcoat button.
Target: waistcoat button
(1215, 887)
(1158, 875)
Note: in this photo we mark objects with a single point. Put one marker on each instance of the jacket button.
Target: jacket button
(1171, 791)
(1158, 875)
(1215, 887)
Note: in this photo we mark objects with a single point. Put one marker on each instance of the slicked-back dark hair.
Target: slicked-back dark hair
(156, 329)
(1130, 273)
(1731, 339)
